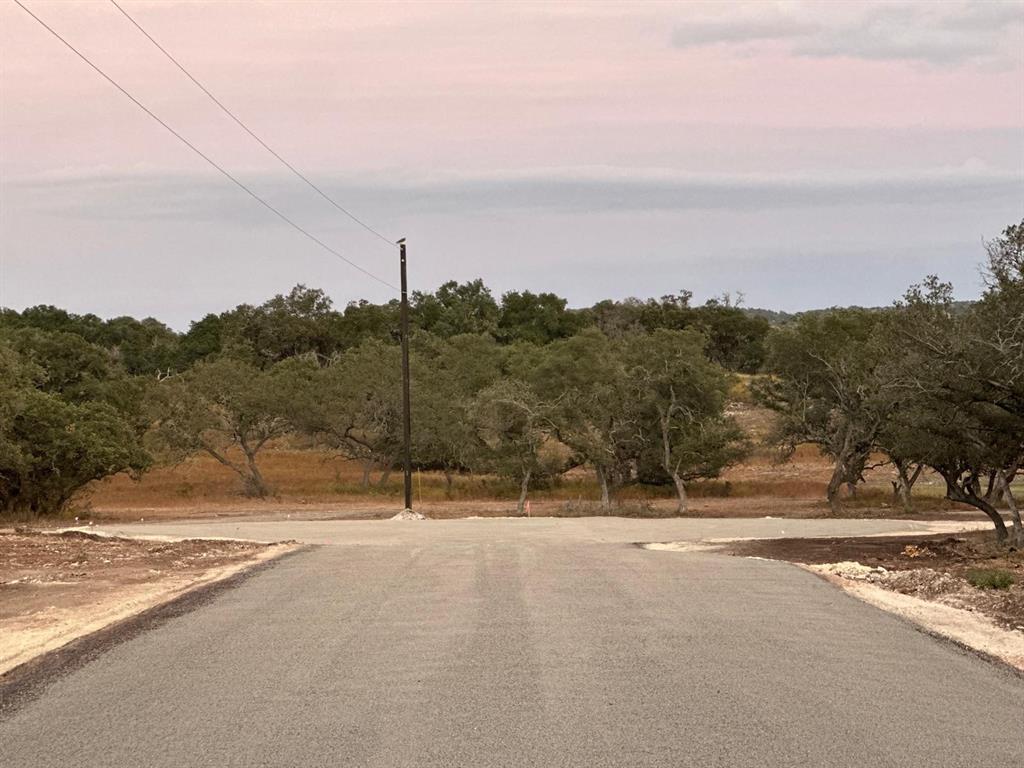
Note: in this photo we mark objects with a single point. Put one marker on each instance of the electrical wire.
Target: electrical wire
(248, 130)
(203, 155)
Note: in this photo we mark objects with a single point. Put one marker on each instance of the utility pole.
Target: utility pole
(406, 399)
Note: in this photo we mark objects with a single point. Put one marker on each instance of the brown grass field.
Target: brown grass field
(313, 482)
(317, 483)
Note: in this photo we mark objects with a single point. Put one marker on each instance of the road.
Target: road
(525, 643)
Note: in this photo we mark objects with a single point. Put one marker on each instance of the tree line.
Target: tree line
(305, 321)
(634, 391)
(925, 384)
(524, 388)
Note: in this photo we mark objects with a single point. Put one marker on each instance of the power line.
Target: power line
(206, 157)
(248, 130)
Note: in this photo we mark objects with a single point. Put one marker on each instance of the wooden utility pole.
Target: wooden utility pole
(406, 399)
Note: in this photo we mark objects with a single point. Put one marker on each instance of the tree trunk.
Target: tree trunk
(252, 480)
(666, 461)
(834, 484)
(1011, 502)
(680, 492)
(367, 469)
(448, 480)
(524, 488)
(993, 488)
(602, 478)
(385, 475)
(255, 485)
(905, 483)
(974, 484)
(841, 473)
(966, 493)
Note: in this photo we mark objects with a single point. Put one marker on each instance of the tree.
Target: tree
(823, 386)
(681, 396)
(512, 424)
(363, 321)
(448, 375)
(537, 318)
(592, 405)
(301, 322)
(222, 406)
(960, 380)
(204, 338)
(456, 309)
(353, 404)
(736, 340)
(53, 319)
(998, 336)
(69, 366)
(59, 431)
(64, 447)
(141, 347)
(616, 318)
(1004, 268)
(144, 347)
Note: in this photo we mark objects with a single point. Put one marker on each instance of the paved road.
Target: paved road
(525, 643)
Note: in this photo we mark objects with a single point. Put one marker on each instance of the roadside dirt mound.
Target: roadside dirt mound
(408, 514)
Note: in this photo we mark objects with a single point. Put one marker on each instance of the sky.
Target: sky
(797, 154)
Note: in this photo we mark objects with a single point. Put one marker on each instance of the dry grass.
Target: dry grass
(311, 478)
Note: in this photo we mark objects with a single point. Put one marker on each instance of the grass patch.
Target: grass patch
(990, 578)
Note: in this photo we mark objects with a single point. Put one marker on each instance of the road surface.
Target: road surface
(525, 643)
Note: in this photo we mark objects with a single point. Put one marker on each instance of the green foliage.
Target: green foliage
(536, 318)
(143, 347)
(990, 578)
(681, 397)
(68, 416)
(205, 338)
(448, 375)
(735, 338)
(512, 424)
(364, 321)
(456, 309)
(301, 323)
(593, 406)
(54, 319)
(352, 403)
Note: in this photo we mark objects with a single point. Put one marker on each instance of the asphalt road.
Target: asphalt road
(525, 643)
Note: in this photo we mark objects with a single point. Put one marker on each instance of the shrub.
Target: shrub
(990, 579)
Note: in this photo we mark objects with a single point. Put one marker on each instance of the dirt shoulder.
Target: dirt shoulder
(383, 507)
(930, 580)
(59, 586)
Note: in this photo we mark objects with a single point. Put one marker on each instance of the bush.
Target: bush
(990, 579)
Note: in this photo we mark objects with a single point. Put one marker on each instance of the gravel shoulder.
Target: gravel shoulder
(929, 580)
(58, 586)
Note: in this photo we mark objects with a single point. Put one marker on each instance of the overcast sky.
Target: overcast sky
(804, 154)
